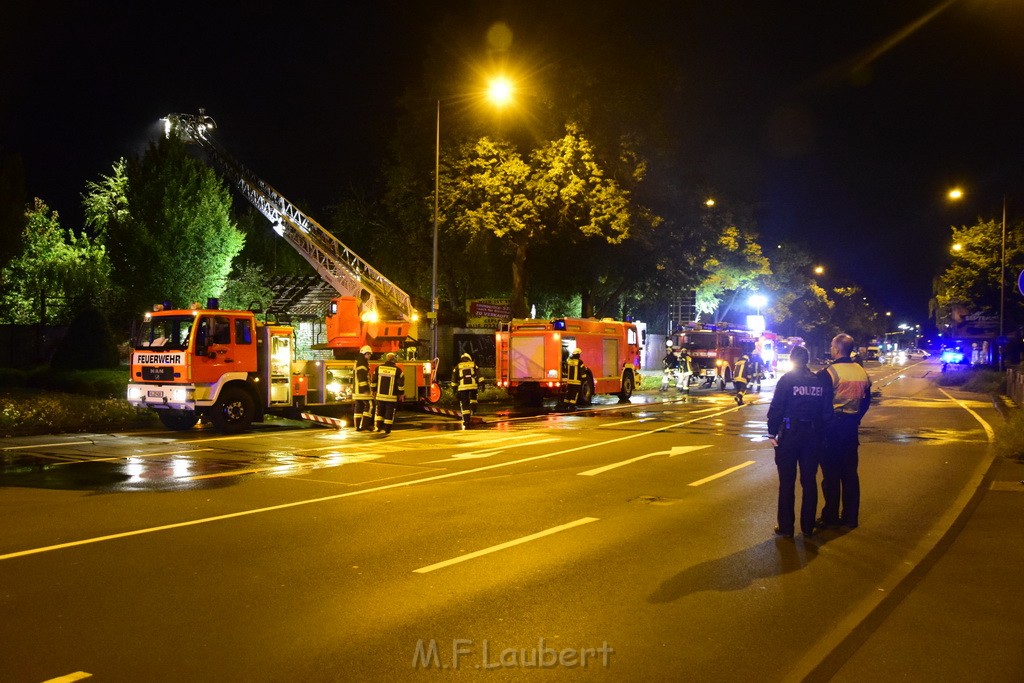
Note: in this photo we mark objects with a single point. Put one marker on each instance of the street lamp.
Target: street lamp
(499, 92)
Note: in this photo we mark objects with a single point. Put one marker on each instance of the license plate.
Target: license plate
(155, 394)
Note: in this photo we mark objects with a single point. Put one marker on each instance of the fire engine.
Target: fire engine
(714, 351)
(783, 349)
(529, 354)
(228, 367)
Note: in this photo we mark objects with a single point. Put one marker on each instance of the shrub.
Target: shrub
(977, 380)
(1010, 436)
(24, 413)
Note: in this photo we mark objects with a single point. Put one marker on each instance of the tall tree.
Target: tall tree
(167, 218)
(970, 285)
(56, 273)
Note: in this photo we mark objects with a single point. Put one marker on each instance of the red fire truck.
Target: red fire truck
(230, 368)
(227, 367)
(529, 355)
(714, 351)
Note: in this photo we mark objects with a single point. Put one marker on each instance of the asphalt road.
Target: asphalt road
(624, 542)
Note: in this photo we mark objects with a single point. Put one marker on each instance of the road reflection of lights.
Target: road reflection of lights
(181, 466)
(134, 469)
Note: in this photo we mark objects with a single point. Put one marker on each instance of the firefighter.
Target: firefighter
(670, 365)
(388, 382)
(756, 371)
(573, 374)
(466, 378)
(739, 378)
(685, 371)
(362, 414)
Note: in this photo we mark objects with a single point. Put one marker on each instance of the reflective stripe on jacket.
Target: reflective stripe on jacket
(466, 376)
(387, 383)
(851, 387)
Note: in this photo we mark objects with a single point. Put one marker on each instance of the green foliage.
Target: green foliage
(168, 225)
(247, 289)
(56, 272)
(1010, 436)
(103, 383)
(970, 284)
(88, 344)
(977, 380)
(733, 266)
(26, 413)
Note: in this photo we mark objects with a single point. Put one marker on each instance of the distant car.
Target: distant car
(918, 353)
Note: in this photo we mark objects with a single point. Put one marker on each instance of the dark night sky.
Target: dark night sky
(844, 123)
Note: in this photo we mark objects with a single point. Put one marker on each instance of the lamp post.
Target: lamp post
(433, 278)
(499, 92)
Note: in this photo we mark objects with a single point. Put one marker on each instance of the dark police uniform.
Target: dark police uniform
(800, 408)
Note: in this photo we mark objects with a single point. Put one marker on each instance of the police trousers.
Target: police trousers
(799, 448)
(840, 485)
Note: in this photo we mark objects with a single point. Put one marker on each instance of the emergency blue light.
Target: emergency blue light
(558, 324)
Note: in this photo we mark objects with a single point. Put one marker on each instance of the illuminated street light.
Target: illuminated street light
(819, 270)
(499, 92)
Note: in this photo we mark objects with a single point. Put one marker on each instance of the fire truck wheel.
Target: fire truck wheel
(628, 384)
(233, 412)
(178, 420)
(586, 393)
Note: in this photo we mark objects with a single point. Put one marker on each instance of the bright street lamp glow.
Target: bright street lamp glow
(955, 193)
(757, 301)
(819, 270)
(500, 90)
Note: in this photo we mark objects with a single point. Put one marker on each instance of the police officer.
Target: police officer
(388, 387)
(362, 414)
(739, 378)
(800, 408)
(851, 397)
(466, 378)
(573, 374)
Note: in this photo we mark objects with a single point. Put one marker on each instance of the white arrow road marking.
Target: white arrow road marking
(676, 450)
(721, 474)
(487, 453)
(502, 546)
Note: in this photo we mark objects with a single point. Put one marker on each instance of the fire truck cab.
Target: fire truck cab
(530, 353)
(227, 367)
(714, 351)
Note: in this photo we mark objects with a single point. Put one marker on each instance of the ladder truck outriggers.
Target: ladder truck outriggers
(232, 369)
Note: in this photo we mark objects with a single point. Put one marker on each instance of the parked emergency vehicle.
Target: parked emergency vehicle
(187, 378)
(783, 349)
(229, 368)
(529, 355)
(714, 351)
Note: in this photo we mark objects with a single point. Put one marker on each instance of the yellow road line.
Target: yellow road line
(721, 474)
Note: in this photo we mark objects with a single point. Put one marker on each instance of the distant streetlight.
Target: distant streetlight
(757, 301)
(709, 202)
(819, 270)
(499, 92)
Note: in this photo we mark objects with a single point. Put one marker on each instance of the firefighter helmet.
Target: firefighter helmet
(365, 349)
(390, 357)
(465, 356)
(576, 352)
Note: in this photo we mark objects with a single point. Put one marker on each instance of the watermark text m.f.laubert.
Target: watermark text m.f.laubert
(483, 655)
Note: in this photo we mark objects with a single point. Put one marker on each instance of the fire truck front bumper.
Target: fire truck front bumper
(161, 396)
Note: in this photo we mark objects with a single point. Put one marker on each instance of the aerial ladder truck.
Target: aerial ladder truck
(228, 367)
